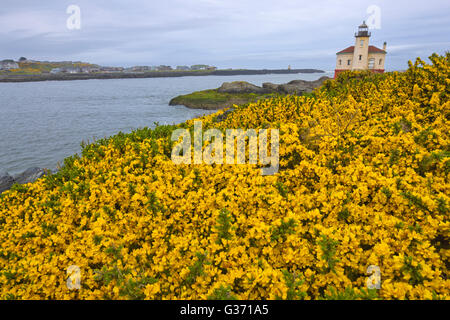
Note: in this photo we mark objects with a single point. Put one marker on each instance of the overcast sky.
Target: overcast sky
(224, 33)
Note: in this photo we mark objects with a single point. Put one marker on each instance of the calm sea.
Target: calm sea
(41, 123)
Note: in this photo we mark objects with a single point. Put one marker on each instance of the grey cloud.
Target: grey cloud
(229, 33)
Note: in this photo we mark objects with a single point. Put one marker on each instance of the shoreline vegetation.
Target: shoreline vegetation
(19, 77)
(242, 92)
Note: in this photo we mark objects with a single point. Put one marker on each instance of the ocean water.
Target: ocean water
(41, 123)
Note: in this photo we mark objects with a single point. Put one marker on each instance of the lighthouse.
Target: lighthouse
(361, 56)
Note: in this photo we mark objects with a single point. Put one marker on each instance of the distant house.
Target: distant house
(56, 71)
(111, 69)
(164, 68)
(88, 69)
(91, 69)
(183, 68)
(199, 67)
(70, 70)
(8, 64)
(139, 69)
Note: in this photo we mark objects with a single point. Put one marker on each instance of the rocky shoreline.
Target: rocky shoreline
(296, 87)
(150, 74)
(241, 92)
(28, 176)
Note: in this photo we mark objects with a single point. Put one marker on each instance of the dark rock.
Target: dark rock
(240, 87)
(6, 181)
(301, 86)
(270, 87)
(297, 87)
(30, 175)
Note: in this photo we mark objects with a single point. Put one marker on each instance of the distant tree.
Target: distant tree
(21, 59)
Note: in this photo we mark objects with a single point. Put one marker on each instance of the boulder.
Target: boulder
(293, 88)
(240, 87)
(314, 83)
(301, 86)
(270, 87)
(6, 181)
(30, 175)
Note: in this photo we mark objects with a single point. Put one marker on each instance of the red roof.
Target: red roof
(372, 49)
(347, 50)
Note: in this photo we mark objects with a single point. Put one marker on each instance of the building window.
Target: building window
(362, 43)
(381, 60)
(360, 57)
(340, 61)
(349, 61)
(371, 63)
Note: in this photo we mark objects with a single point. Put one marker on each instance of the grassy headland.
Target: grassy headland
(212, 99)
(242, 92)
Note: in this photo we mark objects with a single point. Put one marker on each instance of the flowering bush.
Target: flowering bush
(363, 180)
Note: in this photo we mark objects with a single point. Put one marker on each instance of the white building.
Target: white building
(361, 56)
(8, 64)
